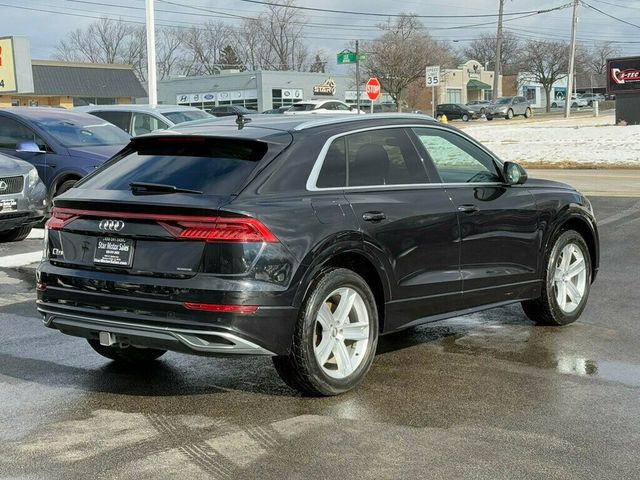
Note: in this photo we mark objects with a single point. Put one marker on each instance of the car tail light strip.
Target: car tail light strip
(208, 307)
(182, 227)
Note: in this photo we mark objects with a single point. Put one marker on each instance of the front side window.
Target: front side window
(456, 159)
(372, 158)
(13, 133)
(145, 123)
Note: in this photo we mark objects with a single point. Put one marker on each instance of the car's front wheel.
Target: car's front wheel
(567, 282)
(335, 338)
(554, 105)
(527, 113)
(509, 114)
(465, 118)
(130, 354)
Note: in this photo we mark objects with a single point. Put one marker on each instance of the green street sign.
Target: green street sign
(349, 57)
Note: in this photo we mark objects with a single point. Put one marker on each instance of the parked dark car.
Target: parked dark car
(455, 111)
(23, 199)
(228, 110)
(63, 145)
(277, 111)
(305, 239)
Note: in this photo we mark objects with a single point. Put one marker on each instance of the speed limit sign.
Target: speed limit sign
(433, 76)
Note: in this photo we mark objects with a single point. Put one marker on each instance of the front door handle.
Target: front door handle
(468, 208)
(373, 216)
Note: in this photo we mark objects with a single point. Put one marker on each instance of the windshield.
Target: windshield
(503, 100)
(76, 133)
(302, 107)
(186, 116)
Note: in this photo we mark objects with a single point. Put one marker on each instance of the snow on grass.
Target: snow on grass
(585, 142)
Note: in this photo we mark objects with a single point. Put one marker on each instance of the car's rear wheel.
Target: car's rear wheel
(15, 234)
(335, 338)
(509, 115)
(567, 282)
(130, 354)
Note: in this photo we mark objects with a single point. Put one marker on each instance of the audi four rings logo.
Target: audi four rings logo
(3, 185)
(111, 225)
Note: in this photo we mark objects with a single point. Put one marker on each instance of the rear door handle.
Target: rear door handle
(373, 216)
(468, 209)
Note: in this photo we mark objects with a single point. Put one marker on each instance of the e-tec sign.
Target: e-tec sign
(624, 75)
(16, 75)
(373, 89)
(433, 76)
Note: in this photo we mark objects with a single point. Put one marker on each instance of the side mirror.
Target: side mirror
(514, 174)
(28, 147)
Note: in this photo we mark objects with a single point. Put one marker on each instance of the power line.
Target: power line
(609, 15)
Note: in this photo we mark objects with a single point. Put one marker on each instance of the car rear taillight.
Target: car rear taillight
(220, 229)
(59, 218)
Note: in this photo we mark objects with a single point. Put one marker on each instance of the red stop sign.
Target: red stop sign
(373, 89)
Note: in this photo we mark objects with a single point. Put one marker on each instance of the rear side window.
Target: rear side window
(121, 120)
(212, 166)
(372, 158)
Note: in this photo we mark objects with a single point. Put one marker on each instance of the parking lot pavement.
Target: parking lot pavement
(488, 395)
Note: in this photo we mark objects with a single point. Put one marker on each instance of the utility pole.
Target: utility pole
(358, 76)
(572, 60)
(151, 54)
(498, 64)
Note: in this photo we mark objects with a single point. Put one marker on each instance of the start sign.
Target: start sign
(373, 89)
(16, 75)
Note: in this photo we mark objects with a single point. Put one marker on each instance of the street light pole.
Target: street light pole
(151, 54)
(498, 64)
(358, 76)
(572, 60)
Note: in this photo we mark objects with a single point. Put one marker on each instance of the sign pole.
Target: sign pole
(358, 76)
(433, 100)
(151, 54)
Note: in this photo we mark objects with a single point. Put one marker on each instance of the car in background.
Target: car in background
(478, 106)
(140, 119)
(23, 199)
(508, 107)
(63, 145)
(304, 239)
(591, 97)
(334, 107)
(276, 111)
(229, 110)
(576, 101)
(455, 111)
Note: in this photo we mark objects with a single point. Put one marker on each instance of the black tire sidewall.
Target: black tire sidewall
(564, 238)
(329, 281)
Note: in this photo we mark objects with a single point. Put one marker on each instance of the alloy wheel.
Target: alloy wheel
(341, 333)
(570, 278)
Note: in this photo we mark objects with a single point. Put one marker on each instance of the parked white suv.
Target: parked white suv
(334, 107)
(575, 102)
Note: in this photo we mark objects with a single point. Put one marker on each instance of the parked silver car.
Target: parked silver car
(508, 107)
(138, 119)
(478, 106)
(22, 198)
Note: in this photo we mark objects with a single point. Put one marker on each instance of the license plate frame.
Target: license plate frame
(8, 205)
(114, 252)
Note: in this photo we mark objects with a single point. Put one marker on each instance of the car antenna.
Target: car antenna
(241, 120)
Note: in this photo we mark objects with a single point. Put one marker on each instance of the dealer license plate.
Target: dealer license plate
(114, 251)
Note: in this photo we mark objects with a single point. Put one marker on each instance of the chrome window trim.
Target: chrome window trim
(312, 180)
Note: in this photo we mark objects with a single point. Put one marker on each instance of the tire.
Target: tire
(15, 234)
(574, 104)
(64, 186)
(527, 113)
(130, 355)
(301, 369)
(489, 117)
(547, 310)
(482, 111)
(465, 118)
(509, 114)
(554, 105)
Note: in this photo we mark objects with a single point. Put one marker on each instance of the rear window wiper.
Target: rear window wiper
(159, 188)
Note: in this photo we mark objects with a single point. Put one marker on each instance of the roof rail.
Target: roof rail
(354, 118)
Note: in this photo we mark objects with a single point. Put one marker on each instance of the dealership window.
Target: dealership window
(282, 97)
(83, 101)
(454, 95)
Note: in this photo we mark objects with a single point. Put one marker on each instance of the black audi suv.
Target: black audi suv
(305, 238)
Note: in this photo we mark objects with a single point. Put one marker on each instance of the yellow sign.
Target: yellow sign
(7, 68)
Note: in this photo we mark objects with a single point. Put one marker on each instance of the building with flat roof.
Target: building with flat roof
(65, 84)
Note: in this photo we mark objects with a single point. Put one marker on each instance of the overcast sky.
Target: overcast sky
(46, 28)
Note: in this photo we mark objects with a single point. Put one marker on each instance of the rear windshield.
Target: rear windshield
(302, 107)
(186, 115)
(212, 166)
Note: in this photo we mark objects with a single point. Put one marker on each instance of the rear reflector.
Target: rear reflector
(208, 307)
(59, 218)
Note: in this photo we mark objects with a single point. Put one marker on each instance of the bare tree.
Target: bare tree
(169, 51)
(281, 29)
(104, 41)
(483, 49)
(204, 45)
(597, 56)
(401, 54)
(545, 62)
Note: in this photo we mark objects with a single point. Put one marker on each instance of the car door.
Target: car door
(407, 223)
(14, 132)
(498, 222)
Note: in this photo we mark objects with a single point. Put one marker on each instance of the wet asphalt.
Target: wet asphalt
(488, 395)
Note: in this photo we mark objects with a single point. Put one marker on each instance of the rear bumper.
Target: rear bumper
(150, 312)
